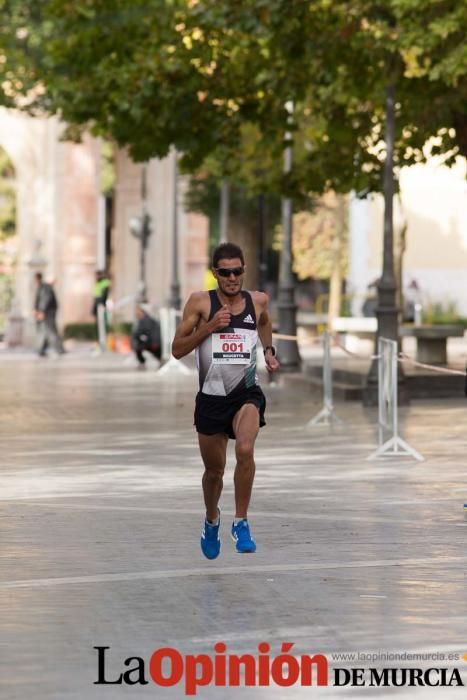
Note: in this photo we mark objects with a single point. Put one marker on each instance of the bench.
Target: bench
(363, 327)
(309, 318)
(432, 341)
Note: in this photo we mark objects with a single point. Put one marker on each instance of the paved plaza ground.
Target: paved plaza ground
(101, 513)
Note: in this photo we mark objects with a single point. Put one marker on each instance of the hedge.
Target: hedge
(88, 331)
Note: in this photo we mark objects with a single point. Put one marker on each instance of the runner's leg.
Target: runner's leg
(246, 426)
(213, 452)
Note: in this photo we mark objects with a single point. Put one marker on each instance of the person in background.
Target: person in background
(45, 310)
(210, 281)
(101, 293)
(412, 303)
(371, 299)
(146, 336)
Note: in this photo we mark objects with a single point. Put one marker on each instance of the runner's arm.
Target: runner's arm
(190, 334)
(264, 322)
(265, 334)
(186, 337)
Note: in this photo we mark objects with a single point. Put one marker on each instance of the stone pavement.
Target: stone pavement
(101, 512)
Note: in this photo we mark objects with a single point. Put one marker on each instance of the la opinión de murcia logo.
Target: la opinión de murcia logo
(167, 667)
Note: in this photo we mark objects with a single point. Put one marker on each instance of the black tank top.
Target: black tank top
(226, 359)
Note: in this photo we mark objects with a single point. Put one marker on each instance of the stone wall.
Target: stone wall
(57, 200)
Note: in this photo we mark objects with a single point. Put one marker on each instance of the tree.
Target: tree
(255, 181)
(194, 73)
(380, 38)
(371, 82)
(319, 240)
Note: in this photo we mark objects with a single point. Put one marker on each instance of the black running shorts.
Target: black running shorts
(214, 414)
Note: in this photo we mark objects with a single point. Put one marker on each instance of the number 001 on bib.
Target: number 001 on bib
(231, 348)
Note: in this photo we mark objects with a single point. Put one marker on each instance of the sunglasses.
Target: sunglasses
(227, 271)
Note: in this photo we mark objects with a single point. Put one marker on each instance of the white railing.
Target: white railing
(169, 320)
(326, 415)
(390, 442)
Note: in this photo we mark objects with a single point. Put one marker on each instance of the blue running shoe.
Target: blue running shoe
(210, 540)
(241, 536)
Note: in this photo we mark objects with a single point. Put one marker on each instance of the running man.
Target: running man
(223, 326)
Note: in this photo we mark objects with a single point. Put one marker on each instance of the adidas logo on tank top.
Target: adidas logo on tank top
(248, 319)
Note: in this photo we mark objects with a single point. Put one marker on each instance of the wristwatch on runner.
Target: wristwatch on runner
(271, 348)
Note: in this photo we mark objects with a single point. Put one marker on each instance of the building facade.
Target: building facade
(191, 229)
(433, 208)
(60, 226)
(57, 191)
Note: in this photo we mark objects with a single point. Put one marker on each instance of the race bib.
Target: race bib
(231, 349)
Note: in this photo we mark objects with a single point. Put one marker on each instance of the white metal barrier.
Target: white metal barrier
(101, 327)
(390, 443)
(326, 415)
(168, 321)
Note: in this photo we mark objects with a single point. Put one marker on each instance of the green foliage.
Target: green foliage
(314, 238)
(122, 328)
(80, 331)
(7, 170)
(88, 331)
(7, 211)
(203, 196)
(438, 313)
(212, 77)
(108, 174)
(7, 197)
(6, 297)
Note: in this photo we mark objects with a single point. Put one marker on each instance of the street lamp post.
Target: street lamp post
(262, 266)
(287, 349)
(175, 300)
(140, 227)
(386, 311)
(224, 211)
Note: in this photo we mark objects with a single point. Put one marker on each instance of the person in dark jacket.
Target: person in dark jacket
(45, 309)
(146, 336)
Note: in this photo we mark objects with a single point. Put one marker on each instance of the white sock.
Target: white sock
(238, 520)
(214, 522)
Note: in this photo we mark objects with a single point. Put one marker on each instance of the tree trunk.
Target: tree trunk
(224, 211)
(243, 231)
(335, 286)
(401, 244)
(386, 311)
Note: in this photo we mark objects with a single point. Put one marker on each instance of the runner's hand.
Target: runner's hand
(272, 363)
(221, 319)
